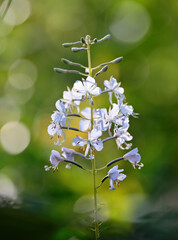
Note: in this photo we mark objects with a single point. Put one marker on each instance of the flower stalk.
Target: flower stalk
(93, 160)
(114, 121)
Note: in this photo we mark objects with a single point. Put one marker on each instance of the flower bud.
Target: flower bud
(70, 44)
(68, 62)
(82, 39)
(95, 40)
(75, 49)
(66, 45)
(64, 60)
(104, 69)
(117, 60)
(59, 70)
(104, 38)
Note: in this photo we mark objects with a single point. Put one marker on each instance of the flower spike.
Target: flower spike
(78, 106)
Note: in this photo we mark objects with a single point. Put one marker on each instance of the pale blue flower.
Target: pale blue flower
(113, 87)
(134, 158)
(55, 159)
(68, 154)
(92, 141)
(86, 87)
(70, 99)
(86, 122)
(115, 174)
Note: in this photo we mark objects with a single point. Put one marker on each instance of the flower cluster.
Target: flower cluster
(114, 120)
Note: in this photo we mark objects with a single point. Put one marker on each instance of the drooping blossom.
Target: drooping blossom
(68, 154)
(55, 159)
(115, 174)
(134, 158)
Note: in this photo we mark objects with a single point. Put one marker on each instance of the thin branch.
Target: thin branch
(102, 181)
(106, 91)
(72, 128)
(74, 115)
(114, 161)
(76, 164)
(80, 154)
(109, 138)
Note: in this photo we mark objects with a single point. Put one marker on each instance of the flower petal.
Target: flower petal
(96, 91)
(55, 158)
(98, 145)
(95, 134)
(84, 124)
(121, 177)
(86, 112)
(78, 141)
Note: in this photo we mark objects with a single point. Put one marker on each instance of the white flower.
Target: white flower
(113, 86)
(111, 117)
(86, 87)
(70, 99)
(134, 158)
(122, 137)
(60, 116)
(85, 123)
(115, 174)
(58, 120)
(92, 141)
(127, 109)
(68, 154)
(55, 159)
(93, 138)
(55, 129)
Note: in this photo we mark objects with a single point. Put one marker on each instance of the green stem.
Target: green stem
(89, 57)
(95, 200)
(93, 160)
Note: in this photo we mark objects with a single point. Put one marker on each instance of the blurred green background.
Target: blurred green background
(35, 204)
